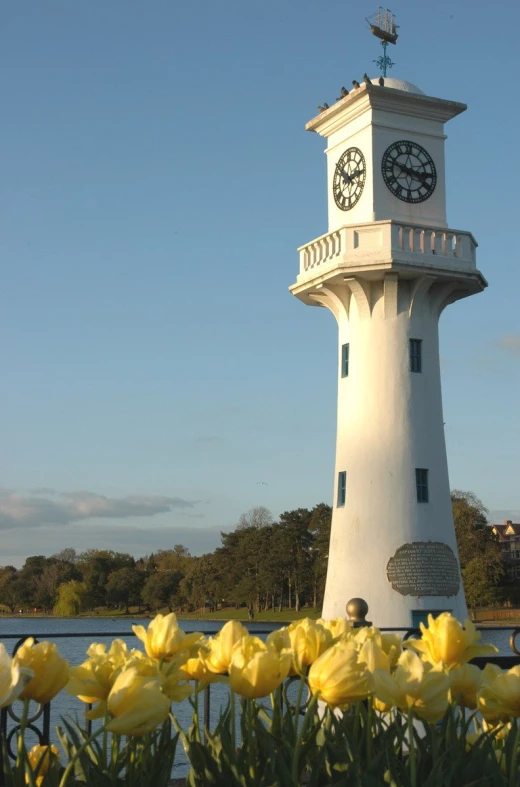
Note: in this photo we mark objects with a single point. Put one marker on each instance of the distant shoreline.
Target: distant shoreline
(221, 617)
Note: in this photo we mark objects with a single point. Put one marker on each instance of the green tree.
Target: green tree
(479, 552)
(161, 590)
(299, 539)
(73, 598)
(203, 582)
(319, 526)
(9, 587)
(124, 586)
(95, 567)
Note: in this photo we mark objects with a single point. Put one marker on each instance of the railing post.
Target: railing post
(357, 610)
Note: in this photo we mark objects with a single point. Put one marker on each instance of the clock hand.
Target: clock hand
(409, 171)
(346, 177)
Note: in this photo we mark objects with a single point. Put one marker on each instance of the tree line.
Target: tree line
(261, 564)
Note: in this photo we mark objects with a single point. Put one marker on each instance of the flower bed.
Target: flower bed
(369, 709)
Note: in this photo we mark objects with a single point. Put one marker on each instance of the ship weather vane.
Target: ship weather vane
(382, 25)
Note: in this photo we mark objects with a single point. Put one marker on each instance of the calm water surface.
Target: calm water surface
(73, 648)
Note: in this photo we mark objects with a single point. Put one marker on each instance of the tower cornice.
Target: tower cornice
(388, 99)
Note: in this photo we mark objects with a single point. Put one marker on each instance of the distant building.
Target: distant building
(509, 540)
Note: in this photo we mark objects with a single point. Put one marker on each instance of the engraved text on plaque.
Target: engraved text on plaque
(424, 568)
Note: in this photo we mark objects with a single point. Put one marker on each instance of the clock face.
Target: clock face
(349, 178)
(408, 171)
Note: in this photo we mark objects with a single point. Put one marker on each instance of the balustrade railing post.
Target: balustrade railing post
(357, 611)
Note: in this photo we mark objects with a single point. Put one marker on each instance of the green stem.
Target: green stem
(20, 751)
(70, 767)
(370, 739)
(251, 742)
(297, 706)
(513, 781)
(303, 729)
(411, 749)
(233, 720)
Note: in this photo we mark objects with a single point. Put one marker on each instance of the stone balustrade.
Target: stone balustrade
(384, 242)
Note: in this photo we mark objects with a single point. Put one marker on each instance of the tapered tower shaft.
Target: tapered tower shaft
(386, 269)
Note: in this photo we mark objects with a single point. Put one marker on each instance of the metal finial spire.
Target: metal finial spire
(382, 25)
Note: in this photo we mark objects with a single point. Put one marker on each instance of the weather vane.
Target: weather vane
(382, 25)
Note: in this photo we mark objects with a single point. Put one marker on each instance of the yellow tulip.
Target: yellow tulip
(13, 678)
(220, 648)
(377, 650)
(136, 703)
(308, 641)
(51, 672)
(499, 699)
(256, 669)
(41, 758)
(338, 677)
(372, 654)
(91, 681)
(279, 640)
(338, 627)
(164, 638)
(196, 669)
(414, 684)
(466, 681)
(392, 645)
(444, 640)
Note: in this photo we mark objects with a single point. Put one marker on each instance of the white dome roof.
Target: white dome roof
(399, 84)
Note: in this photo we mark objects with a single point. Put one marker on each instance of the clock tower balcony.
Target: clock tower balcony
(374, 249)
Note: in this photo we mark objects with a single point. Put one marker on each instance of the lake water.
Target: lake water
(81, 632)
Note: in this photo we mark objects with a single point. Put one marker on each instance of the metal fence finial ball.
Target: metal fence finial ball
(357, 610)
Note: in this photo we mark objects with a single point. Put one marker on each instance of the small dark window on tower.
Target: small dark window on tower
(421, 482)
(415, 355)
(344, 360)
(342, 488)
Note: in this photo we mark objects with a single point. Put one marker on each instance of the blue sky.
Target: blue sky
(156, 180)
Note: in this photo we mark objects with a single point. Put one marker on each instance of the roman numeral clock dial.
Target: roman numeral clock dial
(349, 179)
(408, 171)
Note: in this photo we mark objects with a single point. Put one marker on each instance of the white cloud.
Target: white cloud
(510, 343)
(34, 511)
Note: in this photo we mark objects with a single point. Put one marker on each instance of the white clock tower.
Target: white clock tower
(386, 269)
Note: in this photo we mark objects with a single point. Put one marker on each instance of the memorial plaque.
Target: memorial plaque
(424, 568)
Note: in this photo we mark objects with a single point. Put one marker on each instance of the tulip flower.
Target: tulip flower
(446, 641)
(196, 669)
(91, 681)
(308, 641)
(41, 758)
(13, 678)
(256, 669)
(338, 677)
(279, 639)
(466, 681)
(136, 703)
(338, 627)
(499, 699)
(414, 684)
(51, 672)
(164, 638)
(220, 648)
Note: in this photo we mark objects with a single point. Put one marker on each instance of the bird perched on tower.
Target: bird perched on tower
(367, 80)
(355, 84)
(342, 93)
(381, 81)
(324, 107)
